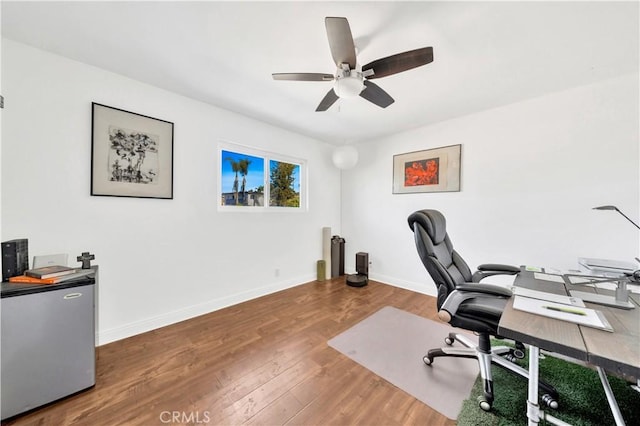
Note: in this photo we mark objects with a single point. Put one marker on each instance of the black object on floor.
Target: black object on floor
(357, 280)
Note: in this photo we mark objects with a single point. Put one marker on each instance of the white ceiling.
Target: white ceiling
(486, 54)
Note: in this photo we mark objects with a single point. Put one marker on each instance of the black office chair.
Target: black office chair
(466, 303)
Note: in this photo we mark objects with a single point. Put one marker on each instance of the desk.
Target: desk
(618, 352)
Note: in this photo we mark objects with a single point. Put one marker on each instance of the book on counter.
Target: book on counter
(74, 275)
(49, 271)
(30, 280)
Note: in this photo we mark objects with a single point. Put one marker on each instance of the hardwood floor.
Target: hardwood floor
(262, 362)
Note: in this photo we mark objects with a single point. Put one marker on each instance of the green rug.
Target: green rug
(582, 399)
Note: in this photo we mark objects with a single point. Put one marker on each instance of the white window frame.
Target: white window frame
(267, 157)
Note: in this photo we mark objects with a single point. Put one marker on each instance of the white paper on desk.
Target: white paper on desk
(591, 317)
(548, 277)
(534, 294)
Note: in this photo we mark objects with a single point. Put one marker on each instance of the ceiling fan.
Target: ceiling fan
(350, 80)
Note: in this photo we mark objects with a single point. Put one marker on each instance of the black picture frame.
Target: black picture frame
(131, 154)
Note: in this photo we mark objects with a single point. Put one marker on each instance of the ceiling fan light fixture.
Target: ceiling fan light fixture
(349, 86)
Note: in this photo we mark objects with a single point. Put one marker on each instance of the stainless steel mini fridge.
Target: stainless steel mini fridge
(48, 343)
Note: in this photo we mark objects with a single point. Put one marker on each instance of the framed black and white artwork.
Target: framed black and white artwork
(131, 154)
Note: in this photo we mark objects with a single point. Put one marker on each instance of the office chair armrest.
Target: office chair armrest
(466, 291)
(497, 267)
(485, 288)
(488, 269)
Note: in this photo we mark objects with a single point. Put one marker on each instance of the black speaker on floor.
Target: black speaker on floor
(15, 258)
(337, 256)
(361, 277)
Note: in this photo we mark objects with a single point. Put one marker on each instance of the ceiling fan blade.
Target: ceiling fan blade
(400, 62)
(373, 93)
(340, 41)
(329, 99)
(302, 76)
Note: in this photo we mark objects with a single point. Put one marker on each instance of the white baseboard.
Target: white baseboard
(148, 324)
(426, 287)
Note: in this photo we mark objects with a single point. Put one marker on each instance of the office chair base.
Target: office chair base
(496, 355)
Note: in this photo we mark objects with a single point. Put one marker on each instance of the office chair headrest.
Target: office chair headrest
(432, 221)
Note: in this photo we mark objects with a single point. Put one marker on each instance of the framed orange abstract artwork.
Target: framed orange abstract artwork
(431, 170)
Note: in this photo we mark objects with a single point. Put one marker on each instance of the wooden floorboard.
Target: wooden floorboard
(261, 362)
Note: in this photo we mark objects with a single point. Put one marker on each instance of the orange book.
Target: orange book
(31, 280)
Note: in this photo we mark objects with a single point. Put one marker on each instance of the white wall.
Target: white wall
(160, 261)
(531, 172)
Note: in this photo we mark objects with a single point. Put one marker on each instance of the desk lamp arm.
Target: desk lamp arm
(618, 210)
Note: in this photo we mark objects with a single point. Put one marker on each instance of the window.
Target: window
(254, 180)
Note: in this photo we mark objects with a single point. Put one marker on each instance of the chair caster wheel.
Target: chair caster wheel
(549, 401)
(448, 340)
(519, 354)
(511, 358)
(482, 402)
(427, 360)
